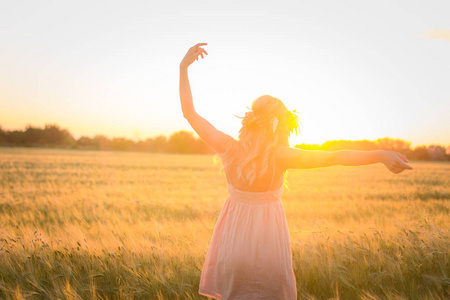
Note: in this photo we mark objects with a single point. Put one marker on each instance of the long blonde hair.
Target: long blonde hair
(266, 125)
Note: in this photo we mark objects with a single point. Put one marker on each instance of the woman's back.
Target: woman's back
(269, 174)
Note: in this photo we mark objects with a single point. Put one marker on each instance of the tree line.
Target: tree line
(185, 142)
(53, 136)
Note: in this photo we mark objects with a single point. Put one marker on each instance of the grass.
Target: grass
(120, 225)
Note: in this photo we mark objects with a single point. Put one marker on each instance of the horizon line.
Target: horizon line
(78, 136)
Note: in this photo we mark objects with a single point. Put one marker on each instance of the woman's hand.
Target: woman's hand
(193, 54)
(394, 161)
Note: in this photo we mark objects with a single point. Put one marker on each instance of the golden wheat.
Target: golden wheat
(120, 225)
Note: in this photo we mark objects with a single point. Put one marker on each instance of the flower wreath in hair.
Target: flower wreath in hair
(288, 121)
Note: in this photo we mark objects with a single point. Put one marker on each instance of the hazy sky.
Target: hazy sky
(353, 69)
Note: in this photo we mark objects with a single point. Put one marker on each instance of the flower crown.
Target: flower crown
(288, 121)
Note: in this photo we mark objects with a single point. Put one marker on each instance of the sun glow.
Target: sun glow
(101, 76)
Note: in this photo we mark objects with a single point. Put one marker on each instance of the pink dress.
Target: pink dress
(249, 256)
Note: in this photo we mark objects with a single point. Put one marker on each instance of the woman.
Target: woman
(249, 256)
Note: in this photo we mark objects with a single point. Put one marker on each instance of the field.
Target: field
(118, 225)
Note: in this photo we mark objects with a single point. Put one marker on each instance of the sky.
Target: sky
(352, 69)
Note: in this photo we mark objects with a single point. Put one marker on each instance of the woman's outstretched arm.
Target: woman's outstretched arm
(292, 158)
(216, 139)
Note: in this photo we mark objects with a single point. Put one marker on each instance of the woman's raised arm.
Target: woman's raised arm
(216, 139)
(187, 103)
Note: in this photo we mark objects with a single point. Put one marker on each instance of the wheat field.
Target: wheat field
(121, 225)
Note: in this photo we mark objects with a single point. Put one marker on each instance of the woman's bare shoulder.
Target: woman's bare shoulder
(283, 154)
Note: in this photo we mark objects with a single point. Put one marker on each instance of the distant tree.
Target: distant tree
(393, 144)
(409, 153)
(182, 142)
(52, 135)
(121, 144)
(142, 146)
(16, 138)
(3, 137)
(101, 142)
(437, 152)
(33, 136)
(421, 153)
(385, 144)
(159, 144)
(85, 142)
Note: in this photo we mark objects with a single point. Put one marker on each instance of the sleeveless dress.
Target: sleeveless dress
(249, 256)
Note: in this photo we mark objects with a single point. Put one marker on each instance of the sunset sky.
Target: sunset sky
(352, 69)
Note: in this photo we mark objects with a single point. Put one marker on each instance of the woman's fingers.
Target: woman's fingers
(202, 52)
(402, 164)
(406, 166)
(402, 157)
(196, 47)
(196, 52)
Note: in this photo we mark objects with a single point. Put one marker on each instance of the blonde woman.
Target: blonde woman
(249, 256)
